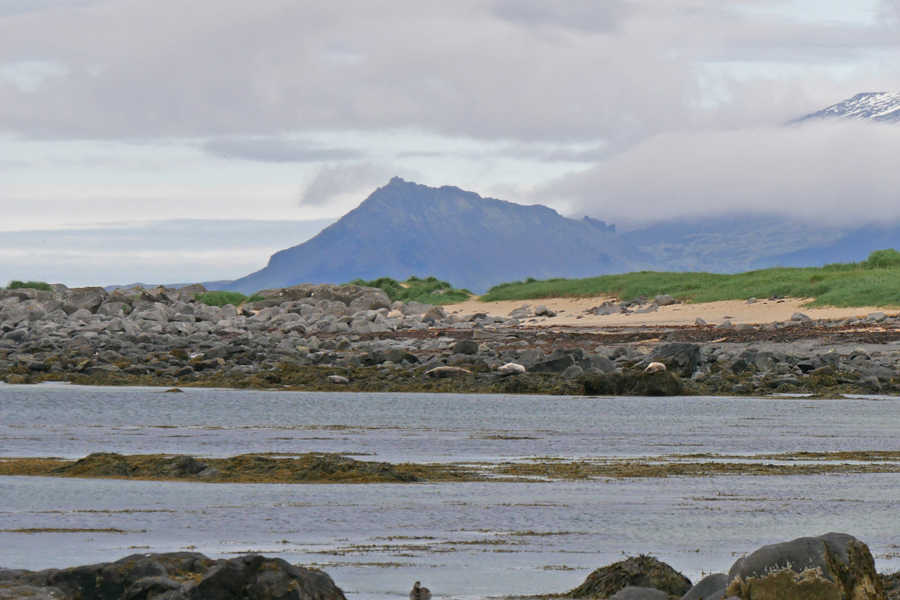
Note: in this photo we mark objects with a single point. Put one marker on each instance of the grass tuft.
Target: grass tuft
(29, 285)
(221, 298)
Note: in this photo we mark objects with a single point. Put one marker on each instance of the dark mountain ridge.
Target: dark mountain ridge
(405, 229)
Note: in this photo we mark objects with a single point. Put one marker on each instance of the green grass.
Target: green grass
(427, 291)
(222, 298)
(873, 282)
(31, 285)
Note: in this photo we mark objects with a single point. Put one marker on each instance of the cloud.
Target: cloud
(586, 15)
(64, 206)
(347, 182)
(617, 70)
(834, 173)
(277, 150)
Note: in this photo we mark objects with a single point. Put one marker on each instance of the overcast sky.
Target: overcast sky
(627, 110)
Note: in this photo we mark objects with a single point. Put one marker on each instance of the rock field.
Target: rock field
(322, 337)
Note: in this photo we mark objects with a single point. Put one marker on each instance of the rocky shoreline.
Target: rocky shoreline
(833, 566)
(328, 337)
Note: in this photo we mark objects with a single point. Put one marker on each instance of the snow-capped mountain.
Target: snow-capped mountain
(883, 107)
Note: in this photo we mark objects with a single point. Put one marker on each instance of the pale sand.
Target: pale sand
(737, 311)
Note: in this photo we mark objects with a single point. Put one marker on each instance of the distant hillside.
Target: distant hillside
(853, 246)
(736, 242)
(883, 107)
(405, 229)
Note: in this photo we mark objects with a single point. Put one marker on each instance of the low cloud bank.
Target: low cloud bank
(831, 173)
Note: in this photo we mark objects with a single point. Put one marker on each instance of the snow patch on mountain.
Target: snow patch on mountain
(882, 107)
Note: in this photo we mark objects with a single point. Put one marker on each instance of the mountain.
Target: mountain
(730, 243)
(882, 107)
(405, 229)
(852, 246)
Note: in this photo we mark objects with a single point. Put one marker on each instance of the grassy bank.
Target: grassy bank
(873, 282)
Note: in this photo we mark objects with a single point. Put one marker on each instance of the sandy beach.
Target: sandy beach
(573, 312)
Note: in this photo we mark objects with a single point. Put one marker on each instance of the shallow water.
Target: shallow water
(70, 421)
(466, 540)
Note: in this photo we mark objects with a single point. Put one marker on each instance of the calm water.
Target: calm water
(462, 540)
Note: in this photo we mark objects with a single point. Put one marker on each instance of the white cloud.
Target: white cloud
(836, 173)
(30, 75)
(62, 206)
(490, 70)
(347, 183)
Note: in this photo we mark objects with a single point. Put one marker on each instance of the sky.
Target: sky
(120, 118)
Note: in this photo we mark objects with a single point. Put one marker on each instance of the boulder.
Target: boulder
(632, 383)
(664, 300)
(465, 347)
(639, 593)
(177, 575)
(711, 587)
(682, 357)
(88, 298)
(637, 571)
(372, 300)
(834, 566)
(553, 365)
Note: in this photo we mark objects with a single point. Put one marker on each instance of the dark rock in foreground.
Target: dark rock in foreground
(637, 572)
(835, 566)
(173, 576)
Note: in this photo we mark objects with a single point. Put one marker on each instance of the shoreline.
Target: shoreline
(349, 338)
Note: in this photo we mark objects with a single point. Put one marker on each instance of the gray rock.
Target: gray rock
(601, 363)
(88, 298)
(664, 300)
(832, 566)
(711, 587)
(800, 317)
(684, 358)
(639, 593)
(553, 365)
(465, 347)
(870, 383)
(635, 572)
(573, 372)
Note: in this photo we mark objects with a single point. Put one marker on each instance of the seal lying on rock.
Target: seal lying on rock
(441, 372)
(655, 367)
(510, 369)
